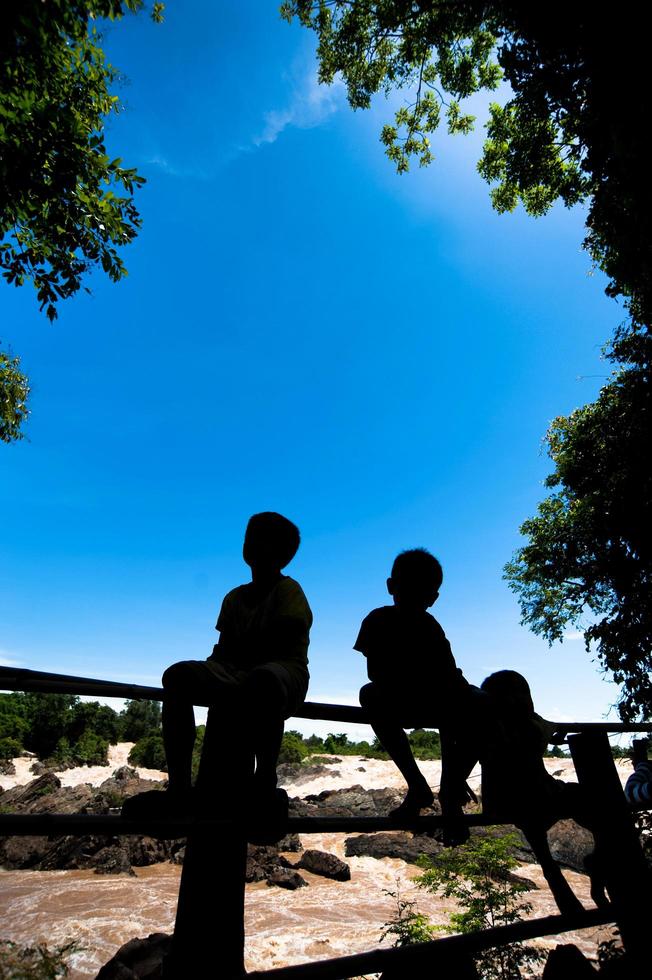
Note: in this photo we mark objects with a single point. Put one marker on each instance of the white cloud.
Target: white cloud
(574, 635)
(172, 169)
(310, 105)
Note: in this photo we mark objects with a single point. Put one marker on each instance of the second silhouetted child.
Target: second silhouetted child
(414, 680)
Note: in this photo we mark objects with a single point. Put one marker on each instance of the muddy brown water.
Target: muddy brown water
(324, 920)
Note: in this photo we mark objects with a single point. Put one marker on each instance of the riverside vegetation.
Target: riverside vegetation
(63, 731)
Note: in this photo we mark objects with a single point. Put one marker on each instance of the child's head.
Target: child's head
(271, 541)
(511, 690)
(415, 579)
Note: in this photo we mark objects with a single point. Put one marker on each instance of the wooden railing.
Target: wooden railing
(210, 910)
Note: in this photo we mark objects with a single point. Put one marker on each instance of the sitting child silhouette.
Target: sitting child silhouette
(414, 681)
(256, 676)
(516, 783)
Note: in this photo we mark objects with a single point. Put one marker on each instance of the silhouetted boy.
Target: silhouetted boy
(256, 676)
(414, 678)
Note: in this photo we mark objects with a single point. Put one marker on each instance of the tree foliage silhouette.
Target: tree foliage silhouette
(65, 205)
(568, 129)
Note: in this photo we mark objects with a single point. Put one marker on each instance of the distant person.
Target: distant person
(517, 785)
(415, 682)
(256, 676)
(638, 788)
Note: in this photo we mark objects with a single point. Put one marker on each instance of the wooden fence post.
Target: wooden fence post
(627, 878)
(209, 929)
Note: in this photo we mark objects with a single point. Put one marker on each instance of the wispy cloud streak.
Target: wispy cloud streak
(309, 106)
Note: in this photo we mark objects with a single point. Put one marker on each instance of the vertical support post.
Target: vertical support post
(209, 929)
(627, 878)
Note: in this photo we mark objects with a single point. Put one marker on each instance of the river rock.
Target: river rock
(570, 844)
(296, 774)
(126, 782)
(7, 768)
(291, 843)
(113, 861)
(265, 863)
(22, 853)
(324, 864)
(395, 844)
(285, 878)
(138, 959)
(353, 801)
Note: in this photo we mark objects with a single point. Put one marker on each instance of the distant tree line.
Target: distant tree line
(295, 748)
(62, 728)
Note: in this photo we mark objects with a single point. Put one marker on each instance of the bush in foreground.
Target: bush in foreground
(34, 962)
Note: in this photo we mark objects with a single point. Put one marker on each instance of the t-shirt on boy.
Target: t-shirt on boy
(274, 629)
(408, 651)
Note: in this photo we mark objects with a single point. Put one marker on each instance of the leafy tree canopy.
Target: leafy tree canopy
(14, 391)
(588, 557)
(65, 205)
(139, 719)
(569, 131)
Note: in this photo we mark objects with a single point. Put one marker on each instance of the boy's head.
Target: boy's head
(415, 579)
(271, 541)
(511, 689)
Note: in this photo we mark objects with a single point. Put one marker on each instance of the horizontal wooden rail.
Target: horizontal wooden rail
(19, 679)
(57, 824)
(440, 952)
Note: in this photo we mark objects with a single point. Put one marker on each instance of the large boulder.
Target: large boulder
(124, 783)
(45, 794)
(20, 799)
(355, 801)
(265, 863)
(286, 878)
(570, 844)
(296, 774)
(23, 853)
(324, 864)
(138, 959)
(396, 844)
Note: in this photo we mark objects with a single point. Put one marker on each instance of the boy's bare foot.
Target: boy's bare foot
(157, 803)
(415, 801)
(455, 830)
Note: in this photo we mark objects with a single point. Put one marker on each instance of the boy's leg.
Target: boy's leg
(264, 701)
(384, 721)
(185, 684)
(178, 718)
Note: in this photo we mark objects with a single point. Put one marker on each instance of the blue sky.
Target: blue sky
(302, 330)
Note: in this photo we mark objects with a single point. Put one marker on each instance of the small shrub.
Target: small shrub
(477, 876)
(293, 748)
(149, 753)
(91, 750)
(9, 749)
(408, 925)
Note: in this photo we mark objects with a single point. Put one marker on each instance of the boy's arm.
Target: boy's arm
(225, 646)
(364, 643)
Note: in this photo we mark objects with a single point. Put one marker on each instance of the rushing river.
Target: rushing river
(326, 919)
